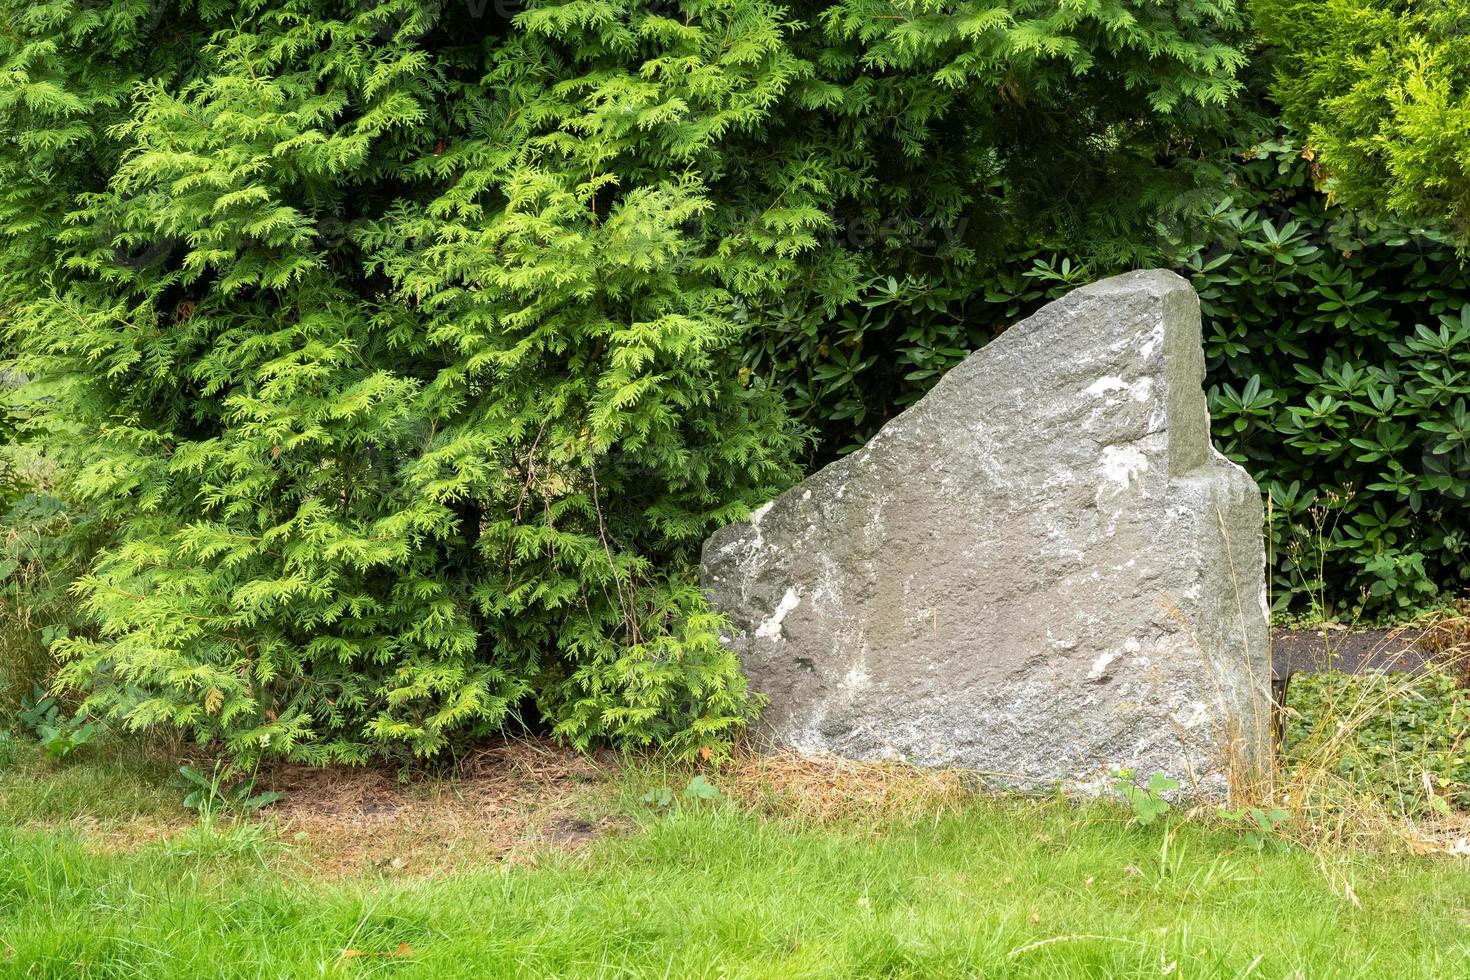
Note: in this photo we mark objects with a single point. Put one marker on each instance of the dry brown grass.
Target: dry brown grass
(506, 802)
(829, 789)
(517, 800)
(1446, 637)
(106, 836)
(513, 801)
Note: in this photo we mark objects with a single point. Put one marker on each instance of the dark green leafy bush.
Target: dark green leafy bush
(1339, 366)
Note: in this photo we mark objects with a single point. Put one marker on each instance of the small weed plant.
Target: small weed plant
(1148, 801)
(215, 792)
(1257, 825)
(697, 790)
(59, 734)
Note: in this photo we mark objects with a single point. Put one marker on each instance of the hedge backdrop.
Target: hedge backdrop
(396, 357)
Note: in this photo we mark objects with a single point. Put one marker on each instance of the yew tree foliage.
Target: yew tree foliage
(400, 344)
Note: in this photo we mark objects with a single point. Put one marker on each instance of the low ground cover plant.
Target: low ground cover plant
(1396, 740)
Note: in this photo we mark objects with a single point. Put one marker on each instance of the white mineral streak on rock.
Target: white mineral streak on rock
(1122, 464)
(1139, 391)
(1151, 344)
(1104, 385)
(1102, 663)
(770, 628)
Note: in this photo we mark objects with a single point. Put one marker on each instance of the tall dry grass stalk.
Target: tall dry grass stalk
(1327, 810)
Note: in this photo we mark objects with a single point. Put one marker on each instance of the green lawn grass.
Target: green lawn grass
(996, 888)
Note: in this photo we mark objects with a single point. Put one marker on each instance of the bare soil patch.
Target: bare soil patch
(1352, 651)
(1440, 641)
(505, 802)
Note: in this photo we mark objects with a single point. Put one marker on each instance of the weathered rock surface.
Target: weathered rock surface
(1042, 570)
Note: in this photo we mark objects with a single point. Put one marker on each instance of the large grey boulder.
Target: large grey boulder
(1042, 570)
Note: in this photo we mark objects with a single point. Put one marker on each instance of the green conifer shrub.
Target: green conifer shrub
(1382, 90)
(404, 348)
